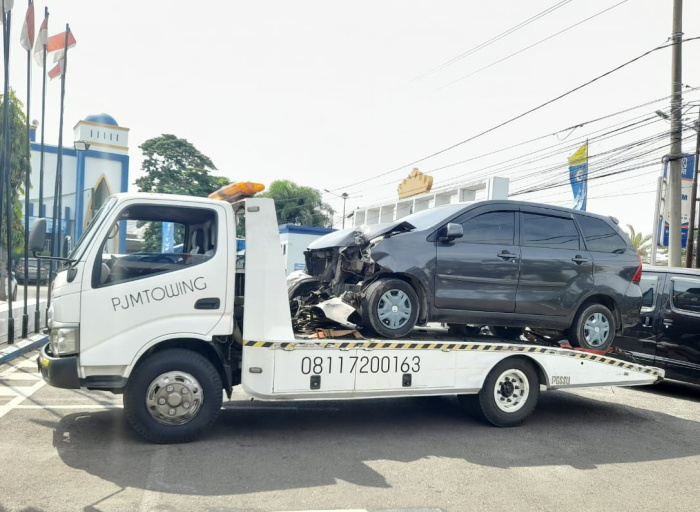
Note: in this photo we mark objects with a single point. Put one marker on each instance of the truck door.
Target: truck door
(479, 272)
(641, 339)
(679, 333)
(169, 280)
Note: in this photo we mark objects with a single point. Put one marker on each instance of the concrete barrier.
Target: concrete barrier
(17, 312)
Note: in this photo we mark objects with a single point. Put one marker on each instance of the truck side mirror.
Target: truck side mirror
(37, 236)
(450, 232)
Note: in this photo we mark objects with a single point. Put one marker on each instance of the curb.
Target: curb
(15, 350)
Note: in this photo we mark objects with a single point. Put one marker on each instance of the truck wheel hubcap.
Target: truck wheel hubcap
(511, 390)
(174, 398)
(596, 329)
(394, 309)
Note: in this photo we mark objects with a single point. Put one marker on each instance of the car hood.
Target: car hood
(359, 235)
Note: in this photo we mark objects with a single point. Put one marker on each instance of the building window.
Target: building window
(90, 133)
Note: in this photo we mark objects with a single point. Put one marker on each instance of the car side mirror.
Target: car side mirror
(450, 232)
(37, 236)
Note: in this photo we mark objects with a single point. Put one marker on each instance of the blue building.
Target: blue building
(94, 167)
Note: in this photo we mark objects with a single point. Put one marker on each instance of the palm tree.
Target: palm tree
(641, 242)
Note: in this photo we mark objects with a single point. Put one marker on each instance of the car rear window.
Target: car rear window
(686, 294)
(550, 232)
(601, 236)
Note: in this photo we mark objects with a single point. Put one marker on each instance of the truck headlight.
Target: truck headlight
(64, 341)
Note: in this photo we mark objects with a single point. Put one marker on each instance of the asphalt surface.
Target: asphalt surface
(592, 449)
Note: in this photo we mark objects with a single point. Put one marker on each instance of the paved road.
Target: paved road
(596, 449)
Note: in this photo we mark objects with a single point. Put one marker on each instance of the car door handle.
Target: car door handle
(505, 255)
(208, 303)
(578, 259)
(647, 322)
(668, 322)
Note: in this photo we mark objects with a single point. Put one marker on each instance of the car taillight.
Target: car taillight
(638, 274)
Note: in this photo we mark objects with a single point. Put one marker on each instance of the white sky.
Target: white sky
(323, 92)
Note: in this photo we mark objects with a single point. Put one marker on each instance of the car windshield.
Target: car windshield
(428, 218)
(89, 233)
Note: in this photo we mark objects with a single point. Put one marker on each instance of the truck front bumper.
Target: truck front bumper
(60, 372)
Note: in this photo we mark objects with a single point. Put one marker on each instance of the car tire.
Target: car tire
(506, 333)
(593, 328)
(390, 307)
(509, 394)
(155, 398)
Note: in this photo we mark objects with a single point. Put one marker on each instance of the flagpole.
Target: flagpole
(585, 182)
(37, 312)
(7, 171)
(58, 196)
(25, 315)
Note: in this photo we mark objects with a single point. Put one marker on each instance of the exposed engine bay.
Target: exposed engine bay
(339, 267)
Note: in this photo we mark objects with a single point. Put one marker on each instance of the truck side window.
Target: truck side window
(489, 228)
(600, 236)
(159, 239)
(550, 232)
(686, 295)
(648, 286)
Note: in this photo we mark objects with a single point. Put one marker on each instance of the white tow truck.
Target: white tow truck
(172, 331)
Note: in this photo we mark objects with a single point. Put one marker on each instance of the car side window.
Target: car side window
(648, 286)
(686, 295)
(601, 236)
(158, 240)
(548, 231)
(490, 228)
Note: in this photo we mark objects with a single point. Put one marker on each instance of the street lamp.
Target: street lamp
(81, 145)
(344, 196)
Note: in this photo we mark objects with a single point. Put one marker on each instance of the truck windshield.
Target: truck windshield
(92, 228)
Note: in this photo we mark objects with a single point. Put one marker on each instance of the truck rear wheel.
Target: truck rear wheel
(509, 394)
(174, 396)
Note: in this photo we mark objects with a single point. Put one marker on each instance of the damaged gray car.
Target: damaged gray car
(505, 264)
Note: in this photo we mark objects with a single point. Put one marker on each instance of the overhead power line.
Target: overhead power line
(519, 116)
(528, 47)
(498, 37)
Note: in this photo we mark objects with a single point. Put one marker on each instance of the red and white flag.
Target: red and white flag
(57, 44)
(27, 37)
(41, 40)
(57, 70)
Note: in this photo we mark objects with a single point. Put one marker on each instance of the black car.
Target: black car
(499, 263)
(667, 333)
(33, 269)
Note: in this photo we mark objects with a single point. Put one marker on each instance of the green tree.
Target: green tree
(174, 166)
(19, 166)
(299, 205)
(641, 242)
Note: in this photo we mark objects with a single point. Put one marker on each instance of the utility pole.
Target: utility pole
(693, 198)
(674, 175)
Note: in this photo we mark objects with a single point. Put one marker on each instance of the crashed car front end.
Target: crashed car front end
(339, 266)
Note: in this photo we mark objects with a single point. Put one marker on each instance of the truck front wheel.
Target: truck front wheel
(174, 396)
(509, 394)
